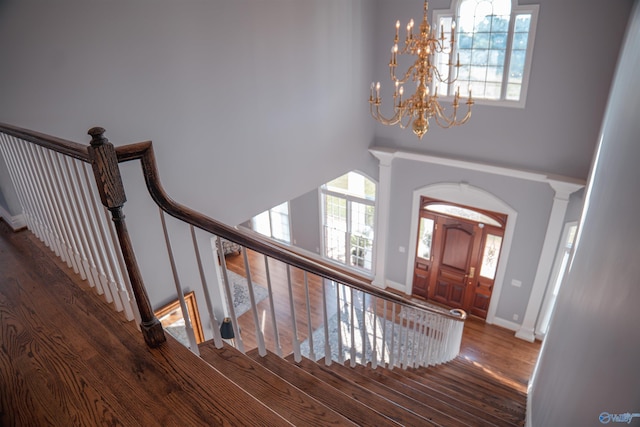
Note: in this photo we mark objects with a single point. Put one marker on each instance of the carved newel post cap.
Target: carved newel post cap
(97, 136)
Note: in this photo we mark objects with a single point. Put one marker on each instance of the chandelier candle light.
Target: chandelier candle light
(422, 105)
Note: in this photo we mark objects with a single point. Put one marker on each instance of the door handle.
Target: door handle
(472, 272)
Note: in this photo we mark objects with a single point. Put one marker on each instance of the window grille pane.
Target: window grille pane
(361, 234)
(499, 41)
(480, 57)
(425, 238)
(336, 213)
(496, 57)
(522, 23)
(280, 226)
(490, 256)
(335, 244)
(492, 90)
(513, 91)
(261, 223)
(520, 41)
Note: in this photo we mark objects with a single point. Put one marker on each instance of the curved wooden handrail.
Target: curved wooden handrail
(69, 148)
(144, 152)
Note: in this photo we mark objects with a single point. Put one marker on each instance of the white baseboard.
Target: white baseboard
(396, 285)
(507, 324)
(16, 222)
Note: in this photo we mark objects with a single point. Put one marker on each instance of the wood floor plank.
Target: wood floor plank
(68, 359)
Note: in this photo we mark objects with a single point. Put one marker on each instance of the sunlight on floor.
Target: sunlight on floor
(504, 380)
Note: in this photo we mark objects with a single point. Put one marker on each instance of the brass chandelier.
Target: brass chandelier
(422, 105)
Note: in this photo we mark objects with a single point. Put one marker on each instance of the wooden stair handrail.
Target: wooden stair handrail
(63, 146)
(144, 152)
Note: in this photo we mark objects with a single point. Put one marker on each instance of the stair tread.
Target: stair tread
(359, 412)
(501, 406)
(418, 391)
(464, 373)
(279, 395)
(399, 413)
(428, 406)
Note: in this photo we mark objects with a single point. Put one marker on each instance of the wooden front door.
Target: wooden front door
(456, 248)
(456, 260)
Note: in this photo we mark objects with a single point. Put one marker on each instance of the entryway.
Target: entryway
(457, 254)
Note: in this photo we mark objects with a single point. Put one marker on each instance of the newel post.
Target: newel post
(107, 174)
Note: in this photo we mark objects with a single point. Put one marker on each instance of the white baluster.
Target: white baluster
(352, 323)
(339, 315)
(327, 344)
(393, 336)
(294, 328)
(273, 308)
(16, 175)
(312, 353)
(262, 350)
(217, 338)
(42, 199)
(193, 345)
(383, 357)
(51, 176)
(374, 350)
(227, 289)
(79, 223)
(50, 190)
(363, 329)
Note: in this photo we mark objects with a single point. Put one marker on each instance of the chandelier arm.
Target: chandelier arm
(381, 118)
(442, 120)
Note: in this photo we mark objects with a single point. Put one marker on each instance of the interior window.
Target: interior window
(494, 43)
(348, 215)
(274, 223)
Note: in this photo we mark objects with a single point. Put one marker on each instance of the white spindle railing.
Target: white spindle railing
(369, 329)
(60, 205)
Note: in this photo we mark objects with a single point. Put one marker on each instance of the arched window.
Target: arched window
(494, 44)
(348, 215)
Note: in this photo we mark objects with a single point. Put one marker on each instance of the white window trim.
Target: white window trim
(515, 10)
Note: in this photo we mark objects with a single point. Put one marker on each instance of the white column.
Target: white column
(383, 203)
(554, 231)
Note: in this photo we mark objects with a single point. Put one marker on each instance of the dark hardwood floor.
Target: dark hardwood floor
(66, 358)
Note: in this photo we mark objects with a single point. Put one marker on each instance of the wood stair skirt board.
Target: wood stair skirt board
(310, 393)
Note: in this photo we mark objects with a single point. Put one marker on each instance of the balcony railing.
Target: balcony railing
(68, 190)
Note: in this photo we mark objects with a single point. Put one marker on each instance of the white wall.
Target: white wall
(236, 95)
(589, 361)
(248, 102)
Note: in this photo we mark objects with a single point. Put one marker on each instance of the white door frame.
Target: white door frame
(464, 194)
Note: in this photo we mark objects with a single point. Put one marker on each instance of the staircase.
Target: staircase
(310, 393)
(62, 210)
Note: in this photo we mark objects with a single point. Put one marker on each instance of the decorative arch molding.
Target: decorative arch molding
(464, 194)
